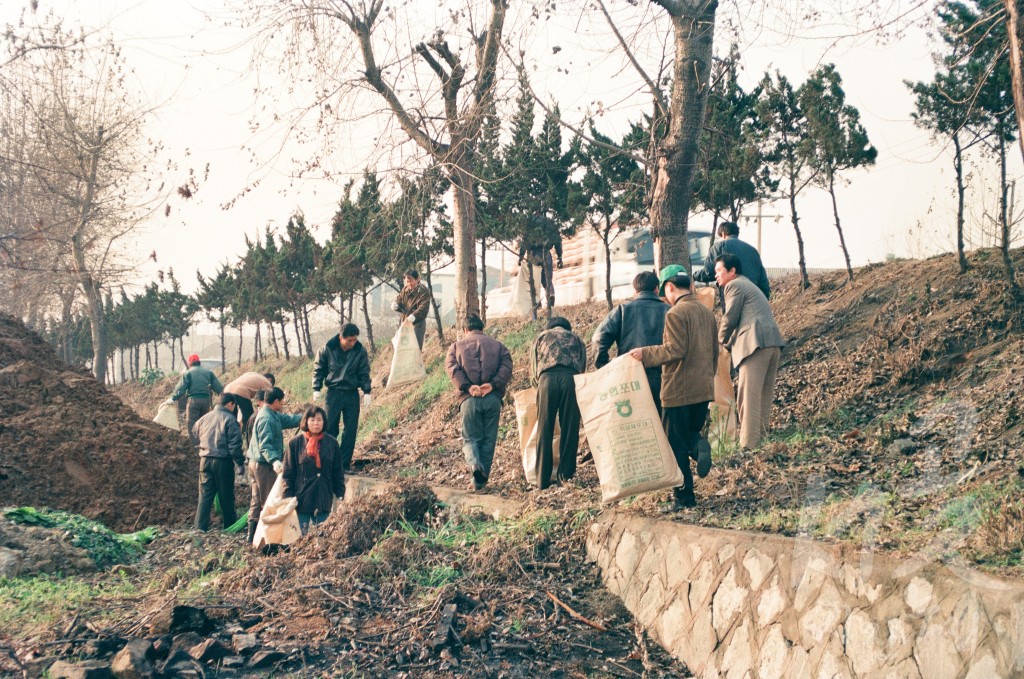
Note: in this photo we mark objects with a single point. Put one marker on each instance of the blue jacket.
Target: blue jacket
(266, 445)
(750, 262)
(637, 323)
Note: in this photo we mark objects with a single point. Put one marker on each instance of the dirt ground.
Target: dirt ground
(70, 444)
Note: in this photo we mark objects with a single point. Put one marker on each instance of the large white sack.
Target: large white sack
(407, 363)
(631, 451)
(279, 522)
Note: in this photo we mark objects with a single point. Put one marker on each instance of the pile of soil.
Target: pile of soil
(69, 444)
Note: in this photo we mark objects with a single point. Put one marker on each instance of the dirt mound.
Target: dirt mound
(69, 444)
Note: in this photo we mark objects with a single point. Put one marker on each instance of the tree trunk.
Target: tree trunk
(531, 279)
(839, 228)
(467, 303)
(149, 358)
(240, 336)
(284, 338)
(273, 339)
(714, 228)
(369, 325)
(607, 260)
(1004, 221)
(309, 335)
(693, 26)
(256, 348)
(297, 323)
(1015, 33)
(138, 373)
(156, 355)
(483, 279)
(223, 349)
(435, 304)
(958, 164)
(121, 354)
(804, 281)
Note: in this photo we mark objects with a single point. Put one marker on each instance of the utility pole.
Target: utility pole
(760, 217)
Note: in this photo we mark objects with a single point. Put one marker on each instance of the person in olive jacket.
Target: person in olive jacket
(413, 304)
(343, 366)
(313, 473)
(196, 385)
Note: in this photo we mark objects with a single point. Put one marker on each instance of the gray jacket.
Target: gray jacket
(748, 323)
(219, 435)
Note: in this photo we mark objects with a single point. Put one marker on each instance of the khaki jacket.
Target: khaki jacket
(247, 384)
(748, 323)
(688, 354)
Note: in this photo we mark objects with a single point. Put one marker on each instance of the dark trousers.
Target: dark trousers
(194, 409)
(421, 329)
(480, 415)
(654, 381)
(556, 397)
(343, 408)
(245, 410)
(263, 478)
(216, 480)
(682, 426)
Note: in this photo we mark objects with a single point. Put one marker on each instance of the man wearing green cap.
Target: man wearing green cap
(687, 356)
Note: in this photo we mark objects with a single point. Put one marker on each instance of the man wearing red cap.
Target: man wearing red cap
(196, 385)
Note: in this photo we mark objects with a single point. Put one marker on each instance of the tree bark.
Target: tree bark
(240, 337)
(958, 164)
(839, 228)
(804, 281)
(434, 303)
(467, 302)
(223, 349)
(369, 324)
(693, 25)
(1004, 221)
(607, 260)
(483, 279)
(1015, 33)
(284, 337)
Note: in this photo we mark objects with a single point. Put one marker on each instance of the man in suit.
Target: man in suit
(749, 332)
(750, 260)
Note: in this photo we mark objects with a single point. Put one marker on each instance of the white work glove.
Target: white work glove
(316, 396)
(394, 306)
(367, 400)
(278, 467)
(169, 402)
(411, 319)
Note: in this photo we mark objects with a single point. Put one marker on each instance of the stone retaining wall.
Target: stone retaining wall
(736, 604)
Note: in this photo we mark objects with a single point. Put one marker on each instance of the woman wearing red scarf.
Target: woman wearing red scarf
(312, 469)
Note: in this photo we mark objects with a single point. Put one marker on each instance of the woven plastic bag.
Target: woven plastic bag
(629, 445)
(279, 522)
(407, 363)
(167, 415)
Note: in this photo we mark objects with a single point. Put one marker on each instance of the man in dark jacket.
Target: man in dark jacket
(196, 385)
(750, 259)
(688, 355)
(637, 323)
(343, 366)
(480, 367)
(220, 445)
(555, 357)
(413, 302)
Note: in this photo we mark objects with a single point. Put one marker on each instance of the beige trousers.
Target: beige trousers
(755, 394)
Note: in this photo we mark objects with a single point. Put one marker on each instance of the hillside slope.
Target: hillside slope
(896, 423)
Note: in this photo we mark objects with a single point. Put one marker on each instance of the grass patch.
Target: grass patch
(430, 389)
(296, 378)
(380, 418)
(29, 603)
(519, 341)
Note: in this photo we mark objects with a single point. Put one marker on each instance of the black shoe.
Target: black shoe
(683, 499)
(479, 478)
(703, 458)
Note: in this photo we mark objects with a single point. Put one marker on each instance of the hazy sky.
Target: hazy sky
(198, 71)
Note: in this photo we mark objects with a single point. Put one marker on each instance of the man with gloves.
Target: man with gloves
(266, 451)
(413, 303)
(196, 385)
(343, 367)
(220, 444)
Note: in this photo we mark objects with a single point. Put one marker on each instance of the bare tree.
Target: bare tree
(444, 120)
(83, 163)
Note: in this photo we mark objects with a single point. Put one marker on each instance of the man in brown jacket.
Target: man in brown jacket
(688, 355)
(413, 302)
(748, 330)
(245, 387)
(480, 367)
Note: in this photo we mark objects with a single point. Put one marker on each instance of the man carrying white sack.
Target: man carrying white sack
(687, 354)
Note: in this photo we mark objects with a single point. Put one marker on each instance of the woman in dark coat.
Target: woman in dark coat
(313, 472)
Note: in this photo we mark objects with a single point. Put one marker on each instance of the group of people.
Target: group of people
(664, 325)
(246, 427)
(667, 328)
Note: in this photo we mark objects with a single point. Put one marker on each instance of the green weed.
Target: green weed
(438, 576)
(43, 600)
